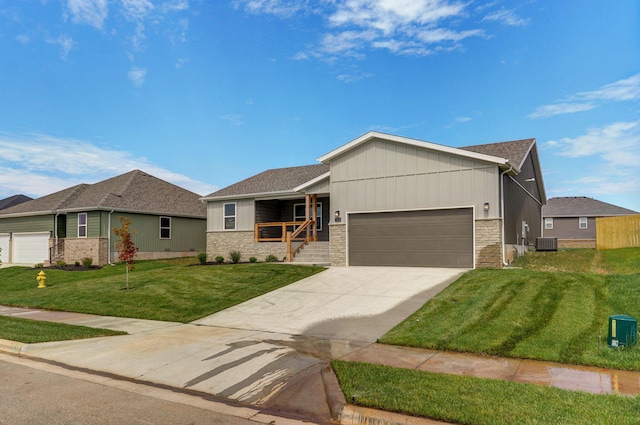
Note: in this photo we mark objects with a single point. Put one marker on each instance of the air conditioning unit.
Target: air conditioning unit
(546, 244)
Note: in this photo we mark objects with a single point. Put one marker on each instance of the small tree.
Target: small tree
(125, 246)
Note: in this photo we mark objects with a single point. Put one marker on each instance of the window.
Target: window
(229, 216)
(165, 227)
(582, 222)
(82, 225)
(299, 215)
(548, 223)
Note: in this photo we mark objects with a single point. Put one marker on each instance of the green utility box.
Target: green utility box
(623, 331)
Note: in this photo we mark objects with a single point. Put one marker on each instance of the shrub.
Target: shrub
(38, 266)
(87, 261)
(271, 259)
(219, 259)
(60, 264)
(202, 257)
(253, 259)
(235, 256)
(77, 263)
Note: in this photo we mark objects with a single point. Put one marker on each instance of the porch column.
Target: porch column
(307, 201)
(314, 206)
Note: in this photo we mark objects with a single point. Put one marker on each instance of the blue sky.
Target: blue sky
(205, 93)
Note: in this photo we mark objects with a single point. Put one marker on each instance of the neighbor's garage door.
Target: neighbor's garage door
(4, 247)
(434, 238)
(30, 248)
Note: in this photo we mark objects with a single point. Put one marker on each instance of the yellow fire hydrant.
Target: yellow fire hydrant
(42, 278)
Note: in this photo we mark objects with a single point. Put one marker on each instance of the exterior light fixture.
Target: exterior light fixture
(337, 216)
(486, 206)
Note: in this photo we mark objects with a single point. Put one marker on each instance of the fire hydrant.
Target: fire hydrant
(42, 278)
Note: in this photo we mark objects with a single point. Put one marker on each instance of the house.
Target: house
(572, 219)
(76, 222)
(388, 200)
(13, 200)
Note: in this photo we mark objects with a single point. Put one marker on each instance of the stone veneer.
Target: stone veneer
(338, 244)
(94, 248)
(488, 243)
(222, 243)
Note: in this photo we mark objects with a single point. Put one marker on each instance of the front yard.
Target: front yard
(554, 306)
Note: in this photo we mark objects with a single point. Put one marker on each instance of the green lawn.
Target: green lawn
(170, 290)
(33, 331)
(477, 401)
(555, 306)
(533, 312)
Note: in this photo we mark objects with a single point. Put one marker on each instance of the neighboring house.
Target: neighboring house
(75, 223)
(13, 200)
(572, 219)
(390, 201)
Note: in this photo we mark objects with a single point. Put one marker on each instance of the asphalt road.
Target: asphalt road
(34, 396)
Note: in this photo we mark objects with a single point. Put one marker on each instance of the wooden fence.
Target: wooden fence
(618, 232)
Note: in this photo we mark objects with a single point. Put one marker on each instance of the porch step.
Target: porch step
(314, 253)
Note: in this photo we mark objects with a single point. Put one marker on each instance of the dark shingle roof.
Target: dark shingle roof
(134, 191)
(515, 151)
(273, 181)
(581, 206)
(13, 200)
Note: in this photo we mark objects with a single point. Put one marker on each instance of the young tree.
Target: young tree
(125, 246)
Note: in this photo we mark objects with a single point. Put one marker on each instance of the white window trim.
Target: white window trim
(318, 206)
(583, 223)
(548, 223)
(161, 227)
(85, 225)
(225, 216)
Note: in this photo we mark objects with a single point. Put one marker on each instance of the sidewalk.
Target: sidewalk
(282, 374)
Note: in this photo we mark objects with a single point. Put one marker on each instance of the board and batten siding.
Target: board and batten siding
(93, 224)
(245, 215)
(383, 175)
(37, 223)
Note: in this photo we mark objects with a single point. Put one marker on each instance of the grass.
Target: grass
(33, 331)
(469, 400)
(555, 308)
(167, 290)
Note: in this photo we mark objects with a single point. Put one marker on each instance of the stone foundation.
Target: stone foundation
(488, 243)
(222, 243)
(338, 244)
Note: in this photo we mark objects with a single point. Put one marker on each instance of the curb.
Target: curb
(356, 415)
(12, 347)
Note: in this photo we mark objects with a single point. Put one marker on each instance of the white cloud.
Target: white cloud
(40, 164)
(234, 119)
(627, 89)
(618, 142)
(137, 75)
(90, 12)
(24, 39)
(283, 8)
(136, 10)
(507, 17)
(66, 44)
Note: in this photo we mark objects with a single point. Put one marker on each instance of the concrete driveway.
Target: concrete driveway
(271, 352)
(352, 303)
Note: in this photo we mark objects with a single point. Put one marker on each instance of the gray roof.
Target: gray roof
(581, 206)
(13, 200)
(273, 181)
(135, 191)
(515, 151)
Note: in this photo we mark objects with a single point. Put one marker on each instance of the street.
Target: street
(37, 393)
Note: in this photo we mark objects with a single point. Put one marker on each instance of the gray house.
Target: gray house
(388, 200)
(572, 219)
(75, 223)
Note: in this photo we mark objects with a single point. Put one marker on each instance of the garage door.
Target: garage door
(30, 248)
(4, 246)
(434, 238)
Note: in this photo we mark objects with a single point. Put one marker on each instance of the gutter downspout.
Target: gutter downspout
(504, 252)
(109, 238)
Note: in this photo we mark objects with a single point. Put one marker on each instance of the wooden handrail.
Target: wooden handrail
(291, 236)
(287, 235)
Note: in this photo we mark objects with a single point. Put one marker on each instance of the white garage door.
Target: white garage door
(4, 246)
(30, 248)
